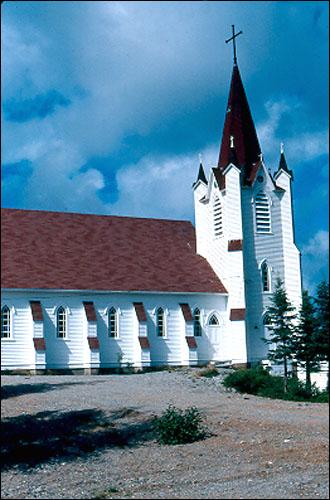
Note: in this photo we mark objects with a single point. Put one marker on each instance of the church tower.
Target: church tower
(244, 225)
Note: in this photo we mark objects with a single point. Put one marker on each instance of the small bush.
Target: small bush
(249, 380)
(258, 381)
(322, 397)
(177, 426)
(209, 371)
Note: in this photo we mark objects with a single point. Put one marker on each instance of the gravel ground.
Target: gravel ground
(89, 437)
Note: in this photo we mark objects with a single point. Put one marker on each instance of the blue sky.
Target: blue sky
(106, 105)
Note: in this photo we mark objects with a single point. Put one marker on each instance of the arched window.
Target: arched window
(5, 322)
(61, 323)
(217, 217)
(262, 213)
(160, 324)
(265, 277)
(112, 322)
(197, 323)
(213, 320)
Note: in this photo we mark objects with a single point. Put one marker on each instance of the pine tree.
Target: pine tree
(322, 316)
(280, 316)
(305, 347)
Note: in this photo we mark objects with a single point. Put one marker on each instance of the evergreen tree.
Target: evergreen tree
(322, 316)
(280, 317)
(305, 347)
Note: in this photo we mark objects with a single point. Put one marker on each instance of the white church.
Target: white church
(89, 293)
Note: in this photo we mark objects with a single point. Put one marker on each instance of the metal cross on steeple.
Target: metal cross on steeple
(234, 42)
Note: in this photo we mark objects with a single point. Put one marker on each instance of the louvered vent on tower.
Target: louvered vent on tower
(217, 218)
(262, 213)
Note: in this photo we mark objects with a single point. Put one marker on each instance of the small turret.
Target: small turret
(201, 174)
(283, 165)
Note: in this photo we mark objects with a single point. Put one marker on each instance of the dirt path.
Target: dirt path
(89, 437)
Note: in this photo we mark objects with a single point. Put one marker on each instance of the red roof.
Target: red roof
(58, 250)
(239, 124)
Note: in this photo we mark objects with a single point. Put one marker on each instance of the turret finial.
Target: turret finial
(261, 156)
(200, 157)
(231, 138)
(282, 148)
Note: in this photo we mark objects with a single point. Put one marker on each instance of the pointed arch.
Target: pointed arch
(197, 322)
(112, 322)
(160, 322)
(5, 322)
(265, 276)
(217, 217)
(213, 320)
(61, 323)
(262, 213)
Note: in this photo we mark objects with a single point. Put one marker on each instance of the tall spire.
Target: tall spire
(282, 164)
(201, 174)
(239, 124)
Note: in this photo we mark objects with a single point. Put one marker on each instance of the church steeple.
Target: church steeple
(201, 174)
(282, 164)
(239, 125)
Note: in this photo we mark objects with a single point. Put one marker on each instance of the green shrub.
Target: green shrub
(177, 426)
(322, 397)
(259, 381)
(209, 371)
(249, 380)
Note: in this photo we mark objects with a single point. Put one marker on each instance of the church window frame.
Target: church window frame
(113, 330)
(263, 213)
(197, 322)
(6, 323)
(213, 320)
(265, 276)
(160, 322)
(217, 208)
(61, 323)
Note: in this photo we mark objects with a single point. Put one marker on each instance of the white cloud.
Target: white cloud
(302, 146)
(160, 187)
(315, 258)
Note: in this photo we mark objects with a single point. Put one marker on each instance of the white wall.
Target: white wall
(73, 352)
(277, 248)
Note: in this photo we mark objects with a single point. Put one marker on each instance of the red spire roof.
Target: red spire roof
(239, 125)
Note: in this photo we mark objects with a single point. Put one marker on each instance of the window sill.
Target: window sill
(3, 339)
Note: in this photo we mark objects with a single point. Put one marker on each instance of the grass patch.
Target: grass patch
(176, 426)
(208, 372)
(258, 381)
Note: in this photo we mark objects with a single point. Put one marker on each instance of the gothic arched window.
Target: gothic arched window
(217, 217)
(265, 277)
(160, 323)
(262, 213)
(197, 323)
(5, 322)
(61, 324)
(112, 322)
(213, 321)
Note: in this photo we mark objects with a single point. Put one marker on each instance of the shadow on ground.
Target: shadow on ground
(10, 391)
(30, 440)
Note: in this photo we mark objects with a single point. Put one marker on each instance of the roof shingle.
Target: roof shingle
(71, 251)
